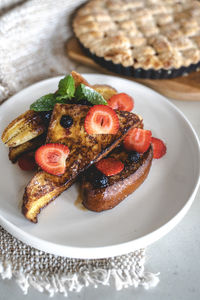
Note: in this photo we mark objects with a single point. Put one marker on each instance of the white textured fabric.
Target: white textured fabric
(9, 4)
(32, 43)
(47, 272)
(32, 47)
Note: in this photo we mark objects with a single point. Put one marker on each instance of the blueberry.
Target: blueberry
(99, 180)
(134, 157)
(46, 116)
(85, 102)
(82, 102)
(66, 121)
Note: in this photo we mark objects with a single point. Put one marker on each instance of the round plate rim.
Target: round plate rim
(113, 250)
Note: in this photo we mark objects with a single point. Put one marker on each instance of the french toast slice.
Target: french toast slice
(84, 149)
(118, 186)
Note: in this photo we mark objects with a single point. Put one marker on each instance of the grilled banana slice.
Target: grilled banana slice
(24, 128)
(105, 90)
(16, 152)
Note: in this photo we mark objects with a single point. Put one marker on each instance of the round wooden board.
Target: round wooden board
(180, 88)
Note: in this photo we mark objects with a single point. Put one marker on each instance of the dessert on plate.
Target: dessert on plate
(84, 149)
(86, 133)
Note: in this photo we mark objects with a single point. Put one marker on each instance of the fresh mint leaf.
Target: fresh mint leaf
(66, 90)
(66, 87)
(62, 98)
(44, 103)
(84, 92)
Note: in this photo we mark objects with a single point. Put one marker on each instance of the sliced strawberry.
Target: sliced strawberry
(101, 119)
(27, 162)
(51, 158)
(138, 139)
(110, 166)
(121, 101)
(159, 148)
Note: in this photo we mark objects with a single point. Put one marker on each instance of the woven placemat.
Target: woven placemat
(56, 274)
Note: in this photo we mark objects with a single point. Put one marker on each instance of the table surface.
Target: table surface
(175, 256)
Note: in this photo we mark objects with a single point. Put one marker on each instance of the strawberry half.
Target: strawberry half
(101, 119)
(121, 101)
(51, 158)
(27, 162)
(110, 166)
(159, 148)
(138, 139)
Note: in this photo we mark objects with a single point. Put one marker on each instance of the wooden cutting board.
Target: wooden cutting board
(180, 88)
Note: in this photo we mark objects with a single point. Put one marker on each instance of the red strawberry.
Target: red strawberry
(159, 148)
(27, 162)
(110, 166)
(101, 119)
(138, 139)
(121, 101)
(51, 158)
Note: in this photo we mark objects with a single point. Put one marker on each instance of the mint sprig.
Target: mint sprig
(84, 92)
(65, 92)
(44, 103)
(66, 88)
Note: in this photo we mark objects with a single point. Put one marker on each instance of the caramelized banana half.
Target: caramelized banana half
(105, 90)
(16, 152)
(24, 128)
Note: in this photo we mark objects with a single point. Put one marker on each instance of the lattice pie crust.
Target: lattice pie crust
(158, 34)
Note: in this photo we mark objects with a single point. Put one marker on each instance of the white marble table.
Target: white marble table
(176, 256)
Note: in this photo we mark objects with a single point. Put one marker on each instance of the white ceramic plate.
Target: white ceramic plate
(145, 216)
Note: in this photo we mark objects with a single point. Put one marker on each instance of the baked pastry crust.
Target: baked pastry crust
(147, 34)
